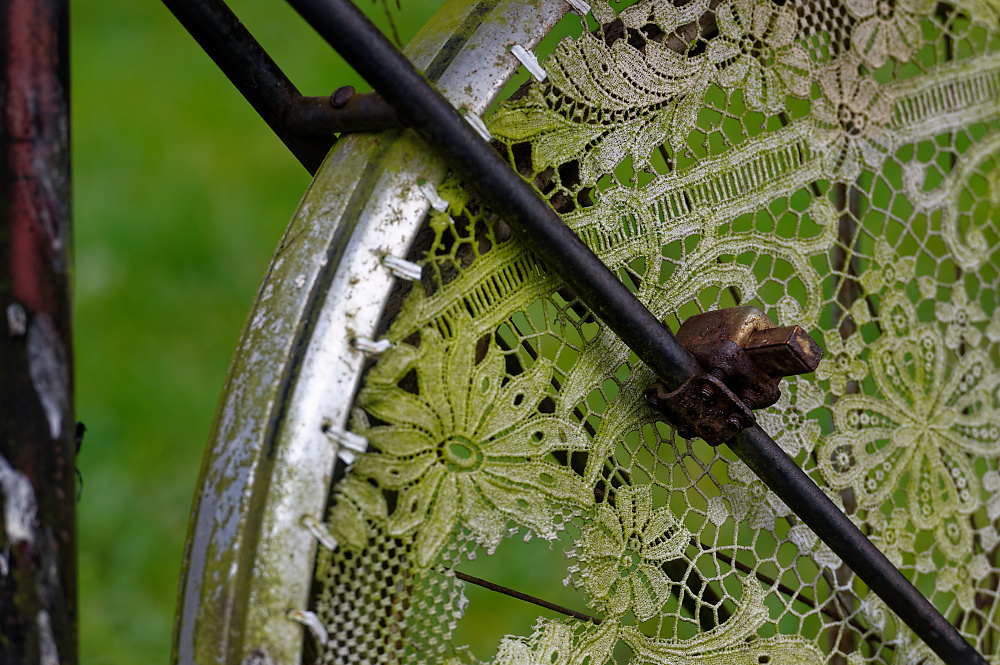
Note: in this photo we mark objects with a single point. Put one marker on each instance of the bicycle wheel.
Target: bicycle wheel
(270, 458)
(830, 163)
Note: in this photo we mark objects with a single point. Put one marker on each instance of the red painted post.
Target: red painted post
(37, 426)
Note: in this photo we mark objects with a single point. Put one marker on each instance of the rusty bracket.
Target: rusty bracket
(745, 357)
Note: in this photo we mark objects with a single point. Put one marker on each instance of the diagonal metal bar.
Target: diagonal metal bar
(520, 595)
(437, 122)
(306, 125)
(245, 63)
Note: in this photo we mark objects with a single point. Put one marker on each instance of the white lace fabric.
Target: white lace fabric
(833, 163)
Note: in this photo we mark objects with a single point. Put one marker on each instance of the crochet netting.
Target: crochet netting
(835, 163)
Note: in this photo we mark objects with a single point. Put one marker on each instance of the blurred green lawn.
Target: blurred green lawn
(181, 193)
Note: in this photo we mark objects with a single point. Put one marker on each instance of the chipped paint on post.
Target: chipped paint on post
(48, 652)
(48, 370)
(37, 447)
(20, 509)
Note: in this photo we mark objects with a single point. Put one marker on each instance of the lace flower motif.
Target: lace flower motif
(788, 422)
(842, 361)
(927, 422)
(892, 270)
(887, 28)
(953, 537)
(622, 553)
(604, 103)
(984, 11)
(890, 534)
(557, 643)
(897, 315)
(960, 314)
(853, 107)
(749, 499)
(758, 53)
(962, 580)
(993, 329)
(466, 448)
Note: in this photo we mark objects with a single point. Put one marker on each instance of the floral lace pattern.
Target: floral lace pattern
(477, 457)
(835, 164)
(621, 555)
(757, 53)
(925, 427)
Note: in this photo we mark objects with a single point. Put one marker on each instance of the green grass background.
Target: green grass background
(180, 195)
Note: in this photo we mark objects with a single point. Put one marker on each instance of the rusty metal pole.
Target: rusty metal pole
(37, 432)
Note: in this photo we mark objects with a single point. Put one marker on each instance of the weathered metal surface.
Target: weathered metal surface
(431, 116)
(249, 558)
(785, 351)
(703, 406)
(37, 478)
(745, 357)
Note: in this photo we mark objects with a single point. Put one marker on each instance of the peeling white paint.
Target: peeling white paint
(20, 509)
(17, 320)
(48, 652)
(47, 367)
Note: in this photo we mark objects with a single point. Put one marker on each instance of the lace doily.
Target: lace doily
(835, 164)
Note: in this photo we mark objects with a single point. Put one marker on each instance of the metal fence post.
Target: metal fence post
(37, 426)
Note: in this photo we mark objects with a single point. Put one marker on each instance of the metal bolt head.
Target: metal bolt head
(342, 96)
(735, 422)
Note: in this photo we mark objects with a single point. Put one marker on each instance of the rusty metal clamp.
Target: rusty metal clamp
(745, 357)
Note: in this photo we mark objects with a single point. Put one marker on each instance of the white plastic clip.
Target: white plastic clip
(477, 124)
(350, 444)
(366, 345)
(312, 622)
(319, 532)
(529, 61)
(402, 268)
(432, 195)
(581, 7)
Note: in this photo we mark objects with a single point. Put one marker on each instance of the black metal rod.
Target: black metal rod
(244, 62)
(437, 122)
(486, 584)
(420, 106)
